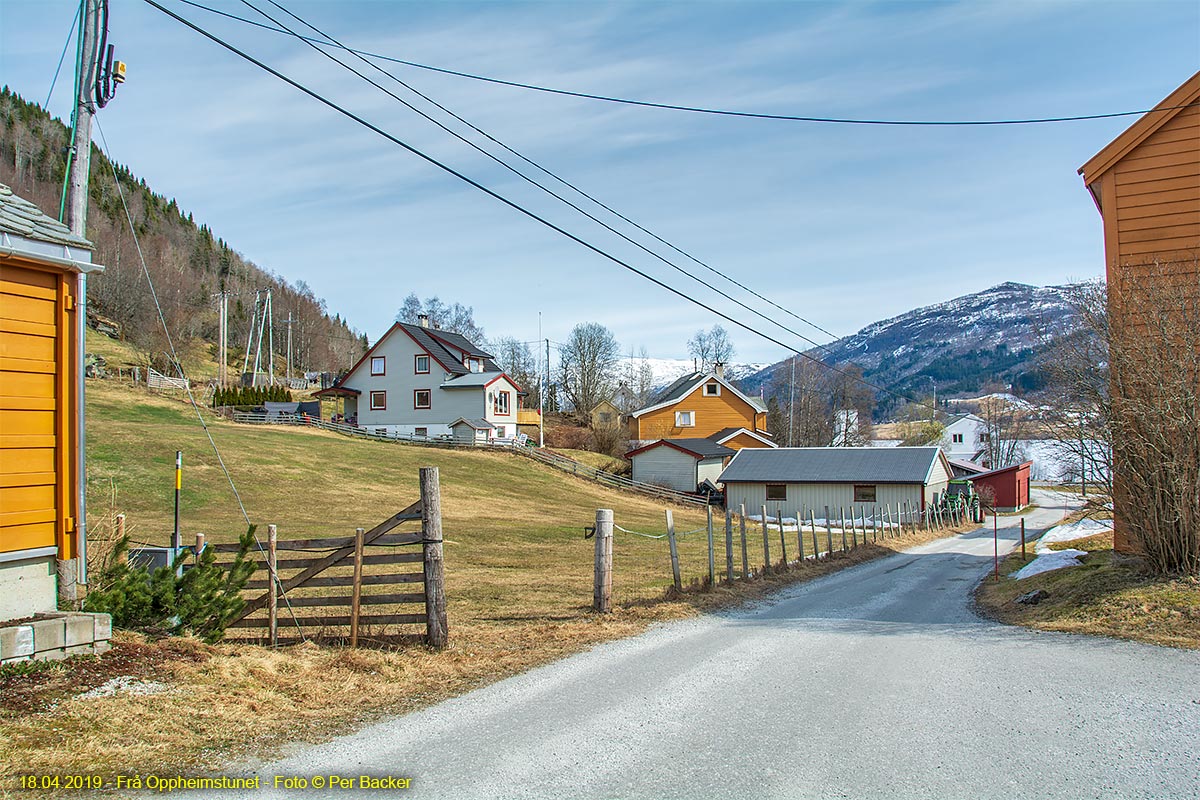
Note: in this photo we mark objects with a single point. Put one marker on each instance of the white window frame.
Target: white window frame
(506, 411)
(956, 438)
(690, 416)
(712, 385)
(417, 364)
(371, 400)
(428, 392)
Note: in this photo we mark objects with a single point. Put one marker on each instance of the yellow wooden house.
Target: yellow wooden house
(41, 264)
(703, 405)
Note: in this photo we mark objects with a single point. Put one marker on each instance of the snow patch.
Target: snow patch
(124, 684)
(1068, 533)
(1050, 560)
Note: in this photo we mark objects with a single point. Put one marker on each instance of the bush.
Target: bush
(203, 600)
(569, 437)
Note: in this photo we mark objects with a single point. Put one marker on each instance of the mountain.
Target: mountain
(187, 262)
(968, 345)
(667, 370)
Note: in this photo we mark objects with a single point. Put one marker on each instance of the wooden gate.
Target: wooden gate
(346, 588)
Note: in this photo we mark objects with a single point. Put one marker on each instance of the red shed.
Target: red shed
(1009, 486)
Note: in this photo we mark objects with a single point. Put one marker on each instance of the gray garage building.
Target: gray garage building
(680, 464)
(795, 480)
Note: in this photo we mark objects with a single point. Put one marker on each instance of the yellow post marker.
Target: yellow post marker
(176, 541)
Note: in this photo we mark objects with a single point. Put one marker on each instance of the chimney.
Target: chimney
(719, 368)
(423, 320)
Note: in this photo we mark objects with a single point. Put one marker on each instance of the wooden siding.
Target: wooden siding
(742, 440)
(801, 497)
(711, 415)
(37, 380)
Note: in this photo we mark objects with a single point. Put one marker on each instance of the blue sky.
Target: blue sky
(844, 225)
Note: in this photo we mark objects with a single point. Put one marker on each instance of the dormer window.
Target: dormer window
(473, 364)
(712, 389)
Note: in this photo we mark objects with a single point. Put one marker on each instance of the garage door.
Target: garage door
(33, 407)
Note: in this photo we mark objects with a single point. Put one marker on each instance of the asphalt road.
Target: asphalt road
(876, 682)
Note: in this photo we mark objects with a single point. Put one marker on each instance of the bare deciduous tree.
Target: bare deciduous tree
(710, 347)
(516, 359)
(588, 365)
(1005, 426)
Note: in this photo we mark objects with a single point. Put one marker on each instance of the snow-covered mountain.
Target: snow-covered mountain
(966, 345)
(667, 370)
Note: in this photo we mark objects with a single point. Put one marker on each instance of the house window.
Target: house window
(379, 401)
(473, 364)
(864, 493)
(985, 437)
(685, 419)
(421, 365)
(378, 365)
(422, 398)
(777, 491)
(500, 432)
(500, 403)
(957, 438)
(421, 432)
(712, 389)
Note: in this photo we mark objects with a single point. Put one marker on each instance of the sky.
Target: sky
(841, 225)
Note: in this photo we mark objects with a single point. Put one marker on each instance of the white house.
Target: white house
(417, 381)
(965, 438)
(797, 480)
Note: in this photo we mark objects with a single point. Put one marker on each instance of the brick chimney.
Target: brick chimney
(719, 369)
(423, 320)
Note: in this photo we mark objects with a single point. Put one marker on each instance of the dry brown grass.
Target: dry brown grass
(1109, 595)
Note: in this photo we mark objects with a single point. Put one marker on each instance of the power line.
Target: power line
(530, 180)
(506, 201)
(714, 111)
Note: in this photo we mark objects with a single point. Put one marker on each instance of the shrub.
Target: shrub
(203, 600)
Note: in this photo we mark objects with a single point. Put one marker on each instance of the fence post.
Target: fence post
(436, 628)
(120, 526)
(356, 591)
(828, 535)
(602, 583)
(800, 534)
(712, 564)
(766, 542)
(273, 585)
(742, 527)
(728, 546)
(816, 548)
(842, 514)
(674, 552)
(782, 538)
(200, 546)
(1022, 538)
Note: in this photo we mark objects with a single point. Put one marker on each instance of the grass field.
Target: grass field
(1108, 595)
(518, 573)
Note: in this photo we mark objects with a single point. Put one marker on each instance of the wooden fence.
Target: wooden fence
(786, 541)
(345, 588)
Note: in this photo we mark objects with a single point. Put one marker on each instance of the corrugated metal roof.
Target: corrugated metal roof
(477, 424)
(705, 448)
(22, 218)
(471, 379)
(831, 465)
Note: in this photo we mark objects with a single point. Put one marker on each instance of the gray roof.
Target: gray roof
(461, 342)
(471, 379)
(428, 338)
(678, 389)
(831, 465)
(477, 424)
(705, 448)
(20, 217)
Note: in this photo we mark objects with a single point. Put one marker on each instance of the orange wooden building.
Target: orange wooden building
(699, 405)
(1146, 184)
(40, 266)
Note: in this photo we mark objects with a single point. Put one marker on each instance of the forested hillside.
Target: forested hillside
(188, 262)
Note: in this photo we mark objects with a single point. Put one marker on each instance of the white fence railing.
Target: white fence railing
(156, 380)
(543, 456)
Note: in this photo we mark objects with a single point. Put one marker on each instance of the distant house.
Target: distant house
(796, 480)
(1144, 184)
(1008, 487)
(471, 431)
(680, 464)
(696, 406)
(965, 439)
(417, 381)
(606, 414)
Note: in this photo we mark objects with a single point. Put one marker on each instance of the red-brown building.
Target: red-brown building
(1008, 487)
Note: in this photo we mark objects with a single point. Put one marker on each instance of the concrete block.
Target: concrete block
(15, 660)
(16, 641)
(80, 630)
(28, 587)
(101, 646)
(79, 650)
(103, 627)
(50, 655)
(49, 634)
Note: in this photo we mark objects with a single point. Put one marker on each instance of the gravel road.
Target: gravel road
(875, 682)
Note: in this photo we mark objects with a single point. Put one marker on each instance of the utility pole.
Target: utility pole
(95, 84)
(289, 347)
(545, 389)
(792, 404)
(541, 396)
